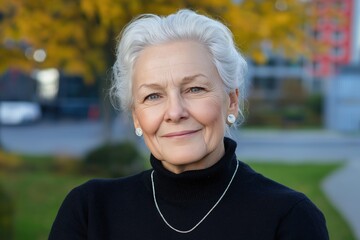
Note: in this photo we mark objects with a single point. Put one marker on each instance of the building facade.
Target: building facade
(333, 30)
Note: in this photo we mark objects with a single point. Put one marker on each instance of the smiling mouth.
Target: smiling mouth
(180, 134)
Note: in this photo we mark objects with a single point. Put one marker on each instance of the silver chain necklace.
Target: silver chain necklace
(191, 229)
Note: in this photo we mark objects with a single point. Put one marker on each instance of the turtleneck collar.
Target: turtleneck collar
(195, 184)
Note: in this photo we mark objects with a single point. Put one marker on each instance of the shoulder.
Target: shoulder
(98, 192)
(96, 199)
(303, 221)
(106, 191)
(263, 193)
(261, 186)
(103, 186)
(297, 216)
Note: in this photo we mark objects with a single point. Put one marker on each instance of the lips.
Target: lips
(180, 133)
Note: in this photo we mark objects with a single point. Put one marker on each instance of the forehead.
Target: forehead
(176, 58)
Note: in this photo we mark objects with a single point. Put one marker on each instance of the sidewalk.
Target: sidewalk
(297, 146)
(343, 189)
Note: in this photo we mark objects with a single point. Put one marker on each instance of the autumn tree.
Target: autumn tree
(79, 36)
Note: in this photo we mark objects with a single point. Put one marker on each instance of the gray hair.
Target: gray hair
(149, 29)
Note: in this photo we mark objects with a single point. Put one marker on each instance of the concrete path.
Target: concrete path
(343, 189)
(297, 146)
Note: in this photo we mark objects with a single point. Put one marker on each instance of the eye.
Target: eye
(196, 89)
(152, 97)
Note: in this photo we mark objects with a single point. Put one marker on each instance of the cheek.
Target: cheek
(211, 112)
(149, 120)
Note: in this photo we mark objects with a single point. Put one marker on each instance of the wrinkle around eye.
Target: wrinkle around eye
(197, 89)
(152, 97)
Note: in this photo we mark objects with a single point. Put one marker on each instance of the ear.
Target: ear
(233, 102)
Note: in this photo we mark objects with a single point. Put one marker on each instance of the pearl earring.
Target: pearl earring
(138, 132)
(231, 118)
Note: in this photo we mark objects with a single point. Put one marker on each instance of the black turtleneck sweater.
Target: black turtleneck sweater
(254, 207)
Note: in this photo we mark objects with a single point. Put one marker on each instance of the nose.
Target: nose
(176, 109)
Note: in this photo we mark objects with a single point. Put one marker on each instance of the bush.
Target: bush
(293, 116)
(115, 160)
(315, 104)
(9, 161)
(6, 215)
(65, 164)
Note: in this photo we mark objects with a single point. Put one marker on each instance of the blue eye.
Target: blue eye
(152, 96)
(196, 89)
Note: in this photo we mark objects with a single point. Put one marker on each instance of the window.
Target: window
(264, 83)
(338, 36)
(316, 66)
(321, 21)
(336, 21)
(317, 34)
(320, 5)
(337, 51)
(339, 5)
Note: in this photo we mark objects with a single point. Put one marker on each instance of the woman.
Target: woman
(181, 76)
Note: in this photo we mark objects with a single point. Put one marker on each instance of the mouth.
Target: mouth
(180, 133)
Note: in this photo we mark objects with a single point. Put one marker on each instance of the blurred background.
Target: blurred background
(58, 128)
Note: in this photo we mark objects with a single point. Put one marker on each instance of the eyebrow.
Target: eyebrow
(184, 80)
(191, 78)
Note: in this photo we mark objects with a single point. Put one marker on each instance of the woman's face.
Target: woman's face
(181, 105)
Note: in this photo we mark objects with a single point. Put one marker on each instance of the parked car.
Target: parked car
(19, 112)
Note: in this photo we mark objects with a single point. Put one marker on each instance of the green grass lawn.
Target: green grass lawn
(38, 192)
(37, 198)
